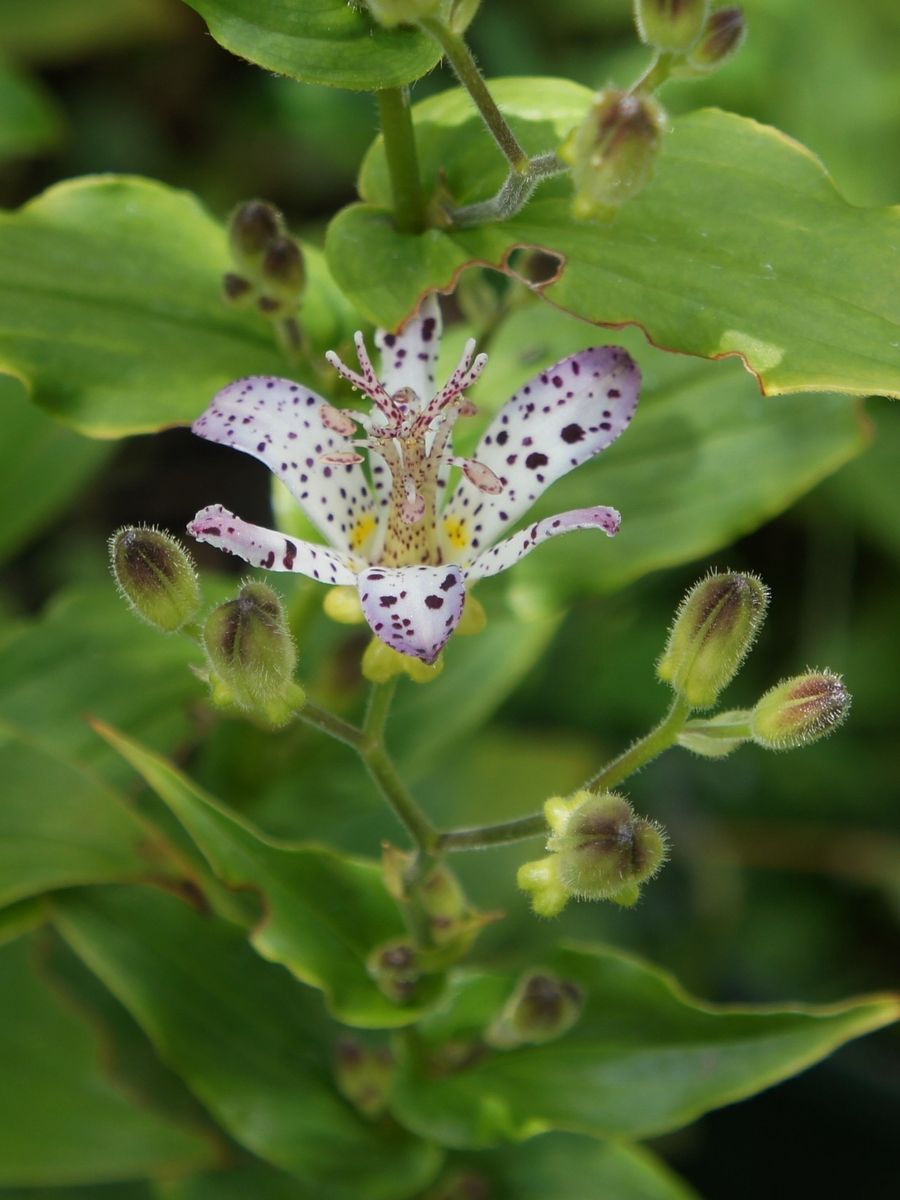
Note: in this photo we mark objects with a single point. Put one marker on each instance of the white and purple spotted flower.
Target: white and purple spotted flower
(389, 531)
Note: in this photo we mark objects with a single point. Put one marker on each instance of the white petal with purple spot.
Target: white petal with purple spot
(506, 553)
(269, 549)
(280, 423)
(563, 417)
(413, 609)
(409, 358)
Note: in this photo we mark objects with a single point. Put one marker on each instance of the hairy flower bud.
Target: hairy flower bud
(670, 24)
(604, 850)
(542, 1008)
(396, 968)
(284, 270)
(800, 710)
(613, 151)
(251, 650)
(252, 228)
(714, 628)
(401, 12)
(363, 1075)
(720, 41)
(155, 575)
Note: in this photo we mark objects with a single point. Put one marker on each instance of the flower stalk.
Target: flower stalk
(402, 159)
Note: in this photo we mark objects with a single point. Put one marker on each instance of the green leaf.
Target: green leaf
(740, 245)
(29, 121)
(250, 1042)
(644, 1057)
(543, 1166)
(42, 467)
(62, 1122)
(679, 475)
(111, 311)
(60, 825)
(325, 912)
(257, 1181)
(327, 42)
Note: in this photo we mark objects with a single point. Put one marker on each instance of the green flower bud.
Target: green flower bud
(284, 271)
(252, 228)
(541, 1009)
(613, 151)
(603, 848)
(363, 1075)
(718, 736)
(799, 711)
(236, 289)
(714, 628)
(670, 24)
(401, 12)
(155, 575)
(251, 650)
(396, 968)
(721, 39)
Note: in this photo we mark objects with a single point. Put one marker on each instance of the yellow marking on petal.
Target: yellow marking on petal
(362, 531)
(457, 533)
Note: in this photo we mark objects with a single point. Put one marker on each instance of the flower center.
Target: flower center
(413, 438)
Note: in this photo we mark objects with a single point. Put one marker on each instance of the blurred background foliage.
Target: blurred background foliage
(785, 873)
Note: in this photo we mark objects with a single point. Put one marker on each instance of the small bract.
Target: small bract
(390, 534)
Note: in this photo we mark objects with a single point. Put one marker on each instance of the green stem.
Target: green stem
(381, 767)
(656, 74)
(380, 699)
(649, 747)
(460, 57)
(516, 191)
(334, 726)
(402, 159)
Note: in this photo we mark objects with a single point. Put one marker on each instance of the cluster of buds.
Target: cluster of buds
(600, 849)
(437, 907)
(542, 1008)
(614, 151)
(270, 269)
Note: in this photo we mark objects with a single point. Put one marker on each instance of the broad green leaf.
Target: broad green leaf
(250, 1042)
(42, 466)
(739, 246)
(644, 1057)
(61, 825)
(29, 122)
(678, 475)
(22, 917)
(325, 912)
(111, 311)
(61, 1121)
(326, 42)
(51, 30)
(547, 1166)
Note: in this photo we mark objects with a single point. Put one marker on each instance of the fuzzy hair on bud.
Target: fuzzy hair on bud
(614, 150)
(251, 649)
(605, 848)
(800, 711)
(720, 41)
(714, 629)
(671, 25)
(541, 1009)
(155, 575)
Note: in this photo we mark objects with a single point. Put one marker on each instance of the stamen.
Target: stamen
(342, 458)
(466, 373)
(367, 382)
(479, 475)
(338, 420)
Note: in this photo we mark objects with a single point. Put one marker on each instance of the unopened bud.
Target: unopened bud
(670, 24)
(721, 39)
(799, 711)
(252, 228)
(236, 289)
(603, 848)
(251, 650)
(401, 12)
(714, 628)
(283, 270)
(396, 968)
(614, 150)
(155, 575)
(541, 1009)
(363, 1075)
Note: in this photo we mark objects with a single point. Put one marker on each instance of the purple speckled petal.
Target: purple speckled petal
(280, 423)
(409, 358)
(563, 417)
(268, 549)
(508, 552)
(413, 609)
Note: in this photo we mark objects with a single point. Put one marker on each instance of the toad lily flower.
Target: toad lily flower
(411, 556)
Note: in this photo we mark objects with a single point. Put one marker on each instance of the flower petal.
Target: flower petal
(508, 552)
(280, 423)
(409, 359)
(268, 549)
(413, 609)
(562, 418)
